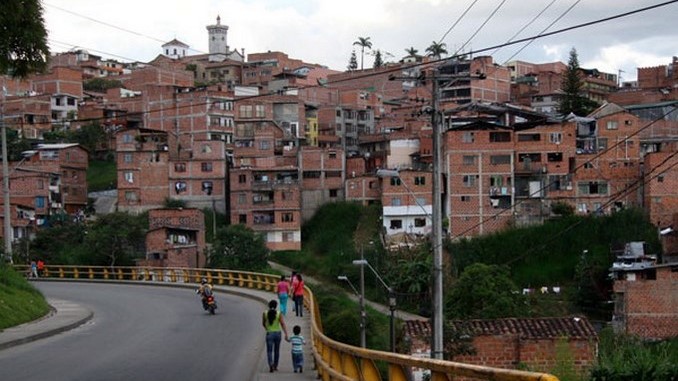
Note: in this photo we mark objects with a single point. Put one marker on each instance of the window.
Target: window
(260, 111)
(129, 177)
(556, 137)
(180, 167)
(287, 195)
(206, 167)
(469, 159)
(420, 222)
(420, 201)
(499, 137)
(329, 174)
(207, 187)
(264, 144)
(242, 179)
(395, 181)
(311, 174)
(468, 137)
(131, 196)
(287, 217)
(465, 198)
(332, 155)
(395, 201)
(660, 178)
(496, 181)
(396, 224)
(612, 125)
(333, 193)
(529, 157)
(529, 137)
(180, 186)
(420, 180)
(469, 180)
(288, 236)
(554, 156)
(602, 144)
(592, 188)
(500, 159)
(127, 138)
(40, 202)
(242, 198)
(245, 111)
(242, 218)
(40, 184)
(127, 157)
(206, 148)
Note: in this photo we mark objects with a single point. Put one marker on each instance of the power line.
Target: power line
(458, 20)
(481, 26)
(526, 25)
(544, 30)
(574, 170)
(112, 25)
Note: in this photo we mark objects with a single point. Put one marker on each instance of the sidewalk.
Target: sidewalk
(66, 315)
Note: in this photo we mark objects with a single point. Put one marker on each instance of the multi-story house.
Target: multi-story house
(30, 116)
(348, 123)
(64, 85)
(187, 136)
(407, 203)
(655, 84)
(322, 178)
(51, 179)
(175, 238)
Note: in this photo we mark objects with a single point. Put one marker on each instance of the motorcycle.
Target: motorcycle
(208, 301)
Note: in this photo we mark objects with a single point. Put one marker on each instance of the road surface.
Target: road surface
(143, 333)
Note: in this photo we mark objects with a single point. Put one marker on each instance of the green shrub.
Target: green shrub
(20, 302)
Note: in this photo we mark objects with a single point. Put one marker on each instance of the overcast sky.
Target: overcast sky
(323, 31)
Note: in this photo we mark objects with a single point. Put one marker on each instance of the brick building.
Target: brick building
(512, 343)
(407, 203)
(654, 85)
(322, 178)
(50, 180)
(175, 238)
(646, 299)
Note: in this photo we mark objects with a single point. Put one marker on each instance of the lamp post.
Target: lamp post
(363, 315)
(391, 296)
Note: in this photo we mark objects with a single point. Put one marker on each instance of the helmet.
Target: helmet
(203, 280)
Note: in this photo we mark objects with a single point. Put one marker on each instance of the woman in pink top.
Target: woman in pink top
(283, 291)
(298, 295)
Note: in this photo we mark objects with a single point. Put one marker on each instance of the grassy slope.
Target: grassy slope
(101, 175)
(20, 302)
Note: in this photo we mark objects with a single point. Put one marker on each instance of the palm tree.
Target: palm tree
(411, 52)
(363, 42)
(436, 50)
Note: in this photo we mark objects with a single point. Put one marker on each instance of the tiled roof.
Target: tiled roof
(526, 328)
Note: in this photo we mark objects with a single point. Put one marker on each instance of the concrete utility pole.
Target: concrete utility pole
(5, 187)
(436, 233)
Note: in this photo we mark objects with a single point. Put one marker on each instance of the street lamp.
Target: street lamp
(391, 296)
(363, 315)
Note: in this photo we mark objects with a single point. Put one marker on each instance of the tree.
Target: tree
(353, 62)
(436, 50)
(484, 292)
(238, 247)
(116, 239)
(378, 62)
(411, 51)
(363, 42)
(100, 84)
(23, 38)
(572, 84)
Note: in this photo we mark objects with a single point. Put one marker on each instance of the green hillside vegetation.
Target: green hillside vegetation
(20, 302)
(101, 175)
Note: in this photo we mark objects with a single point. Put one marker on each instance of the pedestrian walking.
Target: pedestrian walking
(298, 294)
(41, 267)
(297, 342)
(293, 285)
(283, 291)
(274, 324)
(34, 270)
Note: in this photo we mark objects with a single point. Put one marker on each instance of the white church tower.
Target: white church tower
(218, 41)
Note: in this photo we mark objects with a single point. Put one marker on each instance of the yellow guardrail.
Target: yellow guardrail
(334, 360)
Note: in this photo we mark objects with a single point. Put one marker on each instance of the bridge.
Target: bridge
(327, 359)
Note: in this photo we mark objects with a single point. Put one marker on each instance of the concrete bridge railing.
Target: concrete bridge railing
(334, 360)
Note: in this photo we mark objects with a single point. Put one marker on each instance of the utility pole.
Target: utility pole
(363, 323)
(5, 186)
(436, 234)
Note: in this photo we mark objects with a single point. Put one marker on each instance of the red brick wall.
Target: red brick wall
(651, 306)
(661, 199)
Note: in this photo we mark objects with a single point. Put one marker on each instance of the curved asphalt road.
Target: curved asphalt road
(143, 333)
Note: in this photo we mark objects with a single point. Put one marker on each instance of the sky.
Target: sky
(324, 31)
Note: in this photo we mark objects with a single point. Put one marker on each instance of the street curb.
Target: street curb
(48, 333)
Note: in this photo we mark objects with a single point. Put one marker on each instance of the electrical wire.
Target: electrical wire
(458, 20)
(526, 25)
(481, 26)
(544, 30)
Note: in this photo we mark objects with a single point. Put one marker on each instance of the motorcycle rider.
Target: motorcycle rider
(205, 291)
